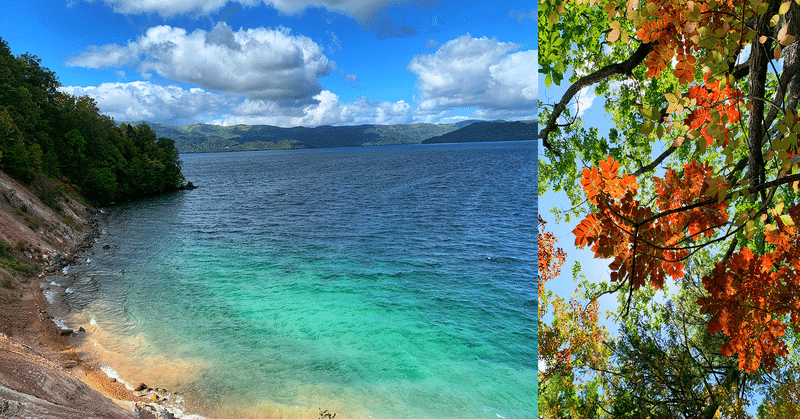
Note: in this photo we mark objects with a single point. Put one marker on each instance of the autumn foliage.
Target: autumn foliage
(647, 247)
(574, 336)
(753, 293)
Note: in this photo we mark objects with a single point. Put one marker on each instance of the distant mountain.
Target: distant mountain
(213, 138)
(483, 131)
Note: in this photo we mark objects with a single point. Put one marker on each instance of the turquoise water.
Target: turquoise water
(384, 282)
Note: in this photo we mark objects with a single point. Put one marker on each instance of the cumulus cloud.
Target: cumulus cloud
(173, 105)
(145, 101)
(270, 64)
(363, 10)
(493, 76)
(327, 111)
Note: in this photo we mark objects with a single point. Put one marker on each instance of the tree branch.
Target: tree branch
(626, 68)
(656, 162)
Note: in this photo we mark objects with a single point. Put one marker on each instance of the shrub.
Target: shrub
(16, 265)
(6, 283)
(47, 191)
(33, 224)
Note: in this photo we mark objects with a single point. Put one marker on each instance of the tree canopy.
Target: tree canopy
(45, 132)
(696, 183)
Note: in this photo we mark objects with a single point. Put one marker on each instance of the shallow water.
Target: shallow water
(384, 282)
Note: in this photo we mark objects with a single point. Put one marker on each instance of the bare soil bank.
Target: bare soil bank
(40, 373)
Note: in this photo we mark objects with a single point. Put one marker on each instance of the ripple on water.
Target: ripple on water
(371, 282)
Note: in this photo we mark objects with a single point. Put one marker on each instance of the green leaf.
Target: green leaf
(647, 127)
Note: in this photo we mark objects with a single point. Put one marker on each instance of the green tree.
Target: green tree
(44, 131)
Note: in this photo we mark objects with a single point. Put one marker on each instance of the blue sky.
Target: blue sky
(286, 62)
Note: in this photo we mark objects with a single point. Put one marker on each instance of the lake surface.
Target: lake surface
(382, 282)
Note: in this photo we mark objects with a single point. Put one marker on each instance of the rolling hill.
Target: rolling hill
(215, 138)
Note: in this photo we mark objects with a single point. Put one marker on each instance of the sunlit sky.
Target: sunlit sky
(285, 62)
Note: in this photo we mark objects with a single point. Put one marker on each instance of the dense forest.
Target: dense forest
(200, 138)
(214, 138)
(49, 138)
(488, 131)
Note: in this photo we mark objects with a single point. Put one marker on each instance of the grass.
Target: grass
(6, 283)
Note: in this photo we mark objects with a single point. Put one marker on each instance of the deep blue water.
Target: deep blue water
(384, 282)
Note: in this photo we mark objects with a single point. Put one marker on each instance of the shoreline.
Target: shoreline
(41, 372)
(155, 398)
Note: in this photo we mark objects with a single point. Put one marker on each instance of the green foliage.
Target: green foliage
(32, 224)
(6, 283)
(17, 266)
(45, 134)
(48, 191)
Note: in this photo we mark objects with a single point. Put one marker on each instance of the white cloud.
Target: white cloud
(173, 105)
(477, 72)
(271, 64)
(327, 111)
(364, 10)
(139, 100)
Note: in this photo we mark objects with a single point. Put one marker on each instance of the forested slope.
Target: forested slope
(51, 140)
(485, 131)
(213, 138)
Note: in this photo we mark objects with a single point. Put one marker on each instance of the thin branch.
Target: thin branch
(656, 162)
(625, 68)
